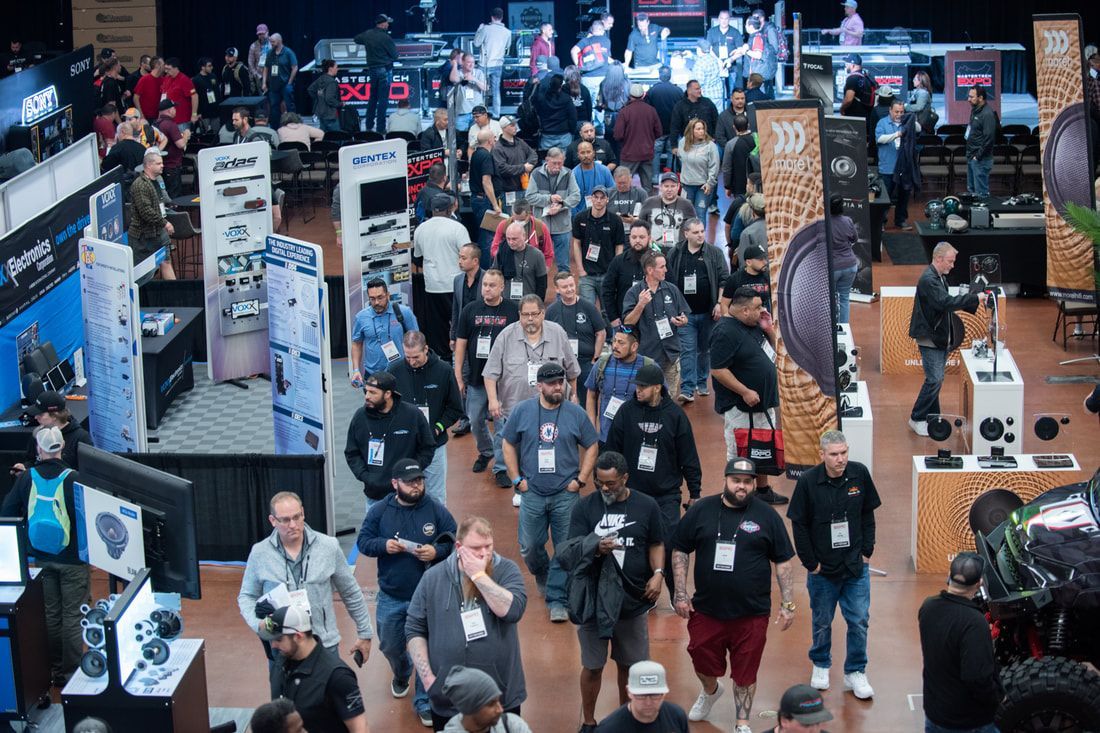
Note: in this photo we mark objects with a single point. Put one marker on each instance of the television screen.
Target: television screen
(132, 608)
(13, 561)
(383, 197)
(61, 376)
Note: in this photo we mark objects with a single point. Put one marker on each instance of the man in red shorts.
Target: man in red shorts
(736, 538)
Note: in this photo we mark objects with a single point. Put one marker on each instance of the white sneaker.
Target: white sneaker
(819, 680)
(858, 684)
(516, 500)
(703, 704)
(920, 427)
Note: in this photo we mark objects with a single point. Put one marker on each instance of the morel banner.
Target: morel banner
(796, 53)
(1065, 145)
(792, 148)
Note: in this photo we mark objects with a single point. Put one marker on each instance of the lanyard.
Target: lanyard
(735, 532)
(615, 379)
(576, 331)
(287, 565)
(539, 351)
(374, 325)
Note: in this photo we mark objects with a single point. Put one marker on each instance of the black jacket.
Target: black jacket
(962, 687)
(406, 434)
(432, 385)
(718, 268)
(556, 111)
(664, 96)
(381, 50)
(686, 110)
(983, 132)
(932, 309)
(625, 270)
(15, 505)
(595, 584)
(666, 427)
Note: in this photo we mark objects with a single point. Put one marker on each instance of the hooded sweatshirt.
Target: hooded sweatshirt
(435, 615)
(625, 270)
(666, 428)
(404, 434)
(433, 386)
(16, 501)
(427, 523)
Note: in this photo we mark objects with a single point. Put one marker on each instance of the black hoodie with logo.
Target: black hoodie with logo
(433, 386)
(405, 434)
(667, 428)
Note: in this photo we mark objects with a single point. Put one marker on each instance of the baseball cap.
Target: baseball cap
(647, 678)
(599, 189)
(886, 91)
(966, 568)
(47, 401)
(850, 4)
(165, 104)
(853, 58)
(153, 152)
(231, 51)
(106, 53)
(669, 176)
(407, 469)
(740, 467)
(804, 704)
(506, 120)
(49, 439)
(759, 13)
(382, 18)
(442, 201)
(755, 252)
(756, 202)
(551, 372)
(641, 16)
(649, 375)
(285, 620)
(131, 113)
(637, 91)
(383, 380)
(261, 28)
(480, 110)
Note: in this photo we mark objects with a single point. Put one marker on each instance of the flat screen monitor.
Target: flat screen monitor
(61, 376)
(13, 551)
(132, 608)
(377, 198)
(168, 515)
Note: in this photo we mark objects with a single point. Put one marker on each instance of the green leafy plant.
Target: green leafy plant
(1087, 221)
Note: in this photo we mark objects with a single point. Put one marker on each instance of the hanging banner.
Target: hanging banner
(846, 151)
(106, 209)
(1067, 155)
(112, 347)
(796, 53)
(792, 148)
(235, 201)
(418, 166)
(375, 219)
(816, 78)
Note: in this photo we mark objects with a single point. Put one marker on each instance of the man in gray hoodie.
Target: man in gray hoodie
(308, 564)
(466, 610)
(553, 192)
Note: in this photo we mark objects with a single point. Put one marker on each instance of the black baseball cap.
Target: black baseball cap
(551, 372)
(382, 18)
(649, 375)
(47, 402)
(740, 467)
(407, 469)
(853, 58)
(166, 104)
(599, 189)
(755, 252)
(669, 176)
(479, 110)
(231, 51)
(804, 704)
(383, 380)
(966, 569)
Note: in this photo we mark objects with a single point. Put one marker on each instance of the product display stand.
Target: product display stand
(24, 651)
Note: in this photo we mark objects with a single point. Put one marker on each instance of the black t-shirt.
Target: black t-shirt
(594, 53)
(605, 233)
(760, 538)
(759, 282)
(126, 153)
(638, 522)
(736, 347)
(481, 164)
(861, 84)
(670, 719)
(324, 690)
(695, 264)
(581, 321)
(477, 321)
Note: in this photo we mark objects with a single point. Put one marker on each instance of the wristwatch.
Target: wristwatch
(788, 606)
(517, 480)
(580, 484)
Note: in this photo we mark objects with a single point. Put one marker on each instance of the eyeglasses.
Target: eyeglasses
(612, 484)
(296, 519)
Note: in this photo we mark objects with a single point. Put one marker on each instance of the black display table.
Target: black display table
(166, 363)
(24, 652)
(1023, 253)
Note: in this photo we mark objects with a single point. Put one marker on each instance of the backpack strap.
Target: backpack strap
(400, 316)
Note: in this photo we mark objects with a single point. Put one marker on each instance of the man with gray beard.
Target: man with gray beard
(624, 527)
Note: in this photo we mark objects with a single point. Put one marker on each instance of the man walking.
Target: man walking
(381, 54)
(583, 324)
(833, 523)
(658, 309)
(612, 382)
(624, 272)
(523, 266)
(494, 40)
(477, 697)
(325, 93)
(598, 236)
(638, 129)
(514, 160)
(666, 211)
(553, 190)
(646, 687)
(981, 135)
(278, 81)
(436, 243)
(888, 134)
(376, 336)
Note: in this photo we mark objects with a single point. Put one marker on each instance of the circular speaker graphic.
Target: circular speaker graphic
(94, 637)
(991, 428)
(95, 616)
(992, 508)
(843, 167)
(1047, 428)
(113, 533)
(93, 663)
(806, 318)
(169, 624)
(939, 429)
(1065, 176)
(155, 651)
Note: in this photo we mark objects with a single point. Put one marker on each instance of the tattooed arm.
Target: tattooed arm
(497, 598)
(784, 573)
(680, 599)
(418, 652)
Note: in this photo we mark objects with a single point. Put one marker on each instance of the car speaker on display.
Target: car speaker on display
(155, 651)
(113, 533)
(1065, 178)
(169, 624)
(805, 318)
(94, 636)
(1048, 425)
(941, 427)
(991, 508)
(93, 663)
(995, 428)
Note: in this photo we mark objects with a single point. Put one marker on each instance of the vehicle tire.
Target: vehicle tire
(1048, 694)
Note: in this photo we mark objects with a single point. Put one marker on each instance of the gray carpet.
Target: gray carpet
(904, 248)
(208, 419)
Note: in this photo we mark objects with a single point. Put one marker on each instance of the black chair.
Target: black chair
(1006, 166)
(337, 136)
(925, 139)
(945, 130)
(289, 170)
(294, 145)
(935, 163)
(400, 135)
(1020, 142)
(367, 136)
(186, 255)
(1035, 130)
(1011, 130)
(955, 142)
(1031, 169)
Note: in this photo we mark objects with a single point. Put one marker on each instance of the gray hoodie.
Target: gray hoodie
(508, 723)
(435, 615)
(324, 569)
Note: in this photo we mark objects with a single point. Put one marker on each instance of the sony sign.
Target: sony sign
(39, 104)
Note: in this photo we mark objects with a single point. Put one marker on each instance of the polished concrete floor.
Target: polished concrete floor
(236, 669)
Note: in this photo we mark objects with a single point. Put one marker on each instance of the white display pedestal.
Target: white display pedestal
(860, 431)
(993, 409)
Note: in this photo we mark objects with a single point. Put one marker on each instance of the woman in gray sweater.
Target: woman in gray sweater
(699, 165)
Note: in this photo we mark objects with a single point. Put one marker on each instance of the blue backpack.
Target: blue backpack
(48, 524)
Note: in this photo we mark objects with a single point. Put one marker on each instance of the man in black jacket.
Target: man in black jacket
(655, 435)
(663, 97)
(383, 430)
(431, 386)
(694, 106)
(962, 688)
(933, 329)
(381, 55)
(980, 138)
(624, 270)
(325, 93)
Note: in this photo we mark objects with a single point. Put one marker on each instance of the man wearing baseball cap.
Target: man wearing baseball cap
(513, 160)
(736, 539)
(962, 685)
(177, 142)
(850, 29)
(666, 211)
(646, 688)
(235, 79)
(257, 55)
(51, 410)
(381, 54)
(753, 274)
(598, 236)
(323, 689)
(801, 710)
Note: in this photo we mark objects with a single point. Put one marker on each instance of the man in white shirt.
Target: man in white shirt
(481, 121)
(436, 244)
(494, 40)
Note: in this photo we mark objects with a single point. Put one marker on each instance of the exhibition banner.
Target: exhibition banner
(792, 148)
(796, 52)
(41, 90)
(418, 165)
(815, 73)
(109, 532)
(1067, 154)
(846, 151)
(235, 200)
(961, 71)
(375, 219)
(112, 347)
(106, 209)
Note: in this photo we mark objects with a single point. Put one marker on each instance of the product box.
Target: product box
(157, 324)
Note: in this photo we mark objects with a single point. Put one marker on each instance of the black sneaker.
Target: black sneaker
(482, 463)
(502, 479)
(768, 495)
(462, 427)
(399, 688)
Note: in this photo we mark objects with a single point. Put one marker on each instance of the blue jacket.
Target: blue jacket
(427, 522)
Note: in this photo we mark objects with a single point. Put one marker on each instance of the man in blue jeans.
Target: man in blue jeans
(280, 69)
(981, 135)
(932, 328)
(550, 451)
(407, 531)
(833, 523)
(381, 54)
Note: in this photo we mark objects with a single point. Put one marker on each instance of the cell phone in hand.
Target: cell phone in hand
(358, 657)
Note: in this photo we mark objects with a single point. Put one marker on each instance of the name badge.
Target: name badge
(647, 458)
(390, 350)
(424, 411)
(690, 284)
(546, 460)
(533, 373)
(376, 451)
(612, 408)
(509, 197)
(723, 556)
(664, 329)
(575, 345)
(469, 94)
(768, 350)
(227, 88)
(668, 236)
(838, 531)
(163, 212)
(210, 96)
(300, 598)
(723, 52)
(593, 253)
(473, 624)
(163, 96)
(515, 290)
(484, 343)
